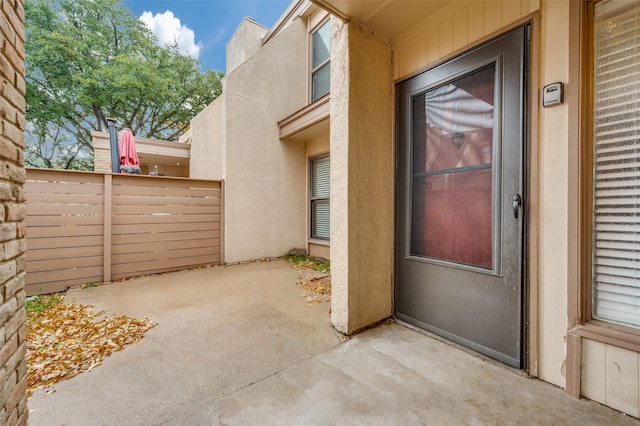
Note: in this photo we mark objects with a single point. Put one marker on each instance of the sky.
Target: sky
(203, 27)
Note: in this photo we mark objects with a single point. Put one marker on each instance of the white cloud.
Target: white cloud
(168, 29)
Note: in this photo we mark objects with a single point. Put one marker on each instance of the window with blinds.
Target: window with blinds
(320, 198)
(616, 162)
(320, 62)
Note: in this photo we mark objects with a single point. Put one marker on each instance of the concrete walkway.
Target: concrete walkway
(242, 345)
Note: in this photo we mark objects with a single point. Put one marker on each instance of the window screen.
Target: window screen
(320, 65)
(616, 162)
(320, 198)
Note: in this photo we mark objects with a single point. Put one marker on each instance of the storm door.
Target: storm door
(460, 199)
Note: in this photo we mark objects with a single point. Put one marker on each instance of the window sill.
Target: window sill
(319, 242)
(616, 335)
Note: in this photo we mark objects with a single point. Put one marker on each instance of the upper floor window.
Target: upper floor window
(321, 61)
(615, 136)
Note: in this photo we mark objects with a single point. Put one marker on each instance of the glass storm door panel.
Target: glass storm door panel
(460, 198)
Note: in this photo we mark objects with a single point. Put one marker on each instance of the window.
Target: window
(615, 156)
(320, 62)
(320, 198)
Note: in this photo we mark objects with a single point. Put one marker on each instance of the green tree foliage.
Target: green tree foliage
(92, 59)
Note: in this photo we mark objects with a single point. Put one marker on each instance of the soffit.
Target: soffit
(151, 151)
(390, 18)
(306, 123)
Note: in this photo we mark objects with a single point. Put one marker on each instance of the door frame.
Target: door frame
(530, 285)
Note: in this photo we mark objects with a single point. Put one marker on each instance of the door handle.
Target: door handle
(517, 202)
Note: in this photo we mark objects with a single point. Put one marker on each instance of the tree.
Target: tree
(87, 60)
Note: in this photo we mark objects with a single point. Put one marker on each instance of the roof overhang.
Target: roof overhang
(151, 151)
(389, 18)
(306, 123)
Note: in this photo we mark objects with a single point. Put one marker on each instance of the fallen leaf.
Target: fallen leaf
(67, 339)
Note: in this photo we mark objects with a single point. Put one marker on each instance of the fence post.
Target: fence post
(113, 143)
(222, 221)
(108, 192)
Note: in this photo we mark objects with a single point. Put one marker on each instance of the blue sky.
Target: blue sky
(203, 27)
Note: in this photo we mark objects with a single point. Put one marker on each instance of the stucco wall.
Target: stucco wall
(244, 42)
(362, 147)
(207, 141)
(435, 39)
(13, 346)
(265, 202)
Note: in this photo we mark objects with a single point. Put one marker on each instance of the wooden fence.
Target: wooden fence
(87, 227)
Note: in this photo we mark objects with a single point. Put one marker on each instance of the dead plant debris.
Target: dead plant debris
(64, 340)
(315, 263)
(320, 289)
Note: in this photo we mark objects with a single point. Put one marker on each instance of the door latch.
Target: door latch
(517, 202)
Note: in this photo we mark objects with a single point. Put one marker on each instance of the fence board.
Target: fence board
(68, 263)
(71, 277)
(163, 255)
(182, 199)
(72, 232)
(160, 219)
(155, 224)
(160, 237)
(37, 209)
(156, 229)
(78, 220)
(66, 253)
(71, 199)
(119, 209)
(61, 242)
(144, 247)
(156, 266)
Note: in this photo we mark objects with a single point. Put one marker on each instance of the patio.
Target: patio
(241, 344)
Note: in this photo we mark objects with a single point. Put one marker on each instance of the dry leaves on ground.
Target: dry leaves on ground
(64, 340)
(319, 287)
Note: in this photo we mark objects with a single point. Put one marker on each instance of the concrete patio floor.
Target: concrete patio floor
(241, 344)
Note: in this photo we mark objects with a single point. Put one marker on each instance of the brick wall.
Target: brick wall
(13, 366)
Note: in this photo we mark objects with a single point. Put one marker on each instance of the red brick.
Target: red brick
(7, 388)
(6, 311)
(11, 131)
(12, 56)
(8, 150)
(22, 230)
(6, 69)
(13, 249)
(12, 95)
(5, 195)
(16, 395)
(15, 321)
(21, 83)
(8, 231)
(15, 212)
(12, 419)
(20, 298)
(14, 285)
(14, 361)
(22, 333)
(7, 30)
(14, 19)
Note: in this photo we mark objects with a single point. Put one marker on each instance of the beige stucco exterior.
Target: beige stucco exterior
(237, 139)
(208, 129)
(361, 178)
(374, 46)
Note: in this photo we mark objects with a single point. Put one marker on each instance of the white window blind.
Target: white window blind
(616, 174)
(320, 64)
(320, 206)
